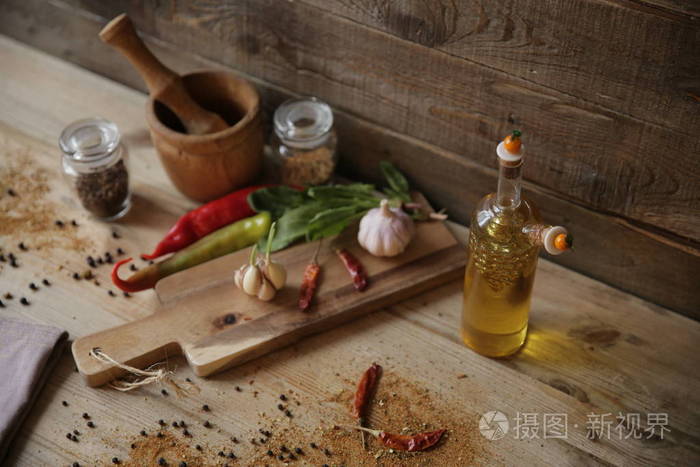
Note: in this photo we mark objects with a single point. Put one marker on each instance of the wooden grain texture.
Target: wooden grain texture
(627, 57)
(590, 154)
(592, 349)
(201, 299)
(609, 248)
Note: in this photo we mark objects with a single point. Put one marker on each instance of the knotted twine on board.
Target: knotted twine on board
(137, 377)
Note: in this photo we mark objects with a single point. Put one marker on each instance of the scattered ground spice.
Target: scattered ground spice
(171, 448)
(30, 213)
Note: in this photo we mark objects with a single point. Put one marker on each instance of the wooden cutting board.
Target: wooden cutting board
(196, 305)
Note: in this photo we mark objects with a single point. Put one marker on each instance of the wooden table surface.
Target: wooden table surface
(592, 350)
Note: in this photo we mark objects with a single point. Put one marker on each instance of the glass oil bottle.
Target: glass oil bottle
(505, 237)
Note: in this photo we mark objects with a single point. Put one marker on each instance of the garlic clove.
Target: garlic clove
(267, 291)
(276, 274)
(238, 276)
(252, 280)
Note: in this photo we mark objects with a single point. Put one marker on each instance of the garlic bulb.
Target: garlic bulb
(385, 231)
(261, 278)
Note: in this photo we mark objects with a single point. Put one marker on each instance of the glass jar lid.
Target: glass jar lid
(305, 122)
(89, 141)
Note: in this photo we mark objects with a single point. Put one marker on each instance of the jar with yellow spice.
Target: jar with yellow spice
(304, 142)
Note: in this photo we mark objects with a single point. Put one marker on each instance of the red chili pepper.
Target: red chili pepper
(365, 389)
(310, 282)
(204, 220)
(355, 269)
(411, 443)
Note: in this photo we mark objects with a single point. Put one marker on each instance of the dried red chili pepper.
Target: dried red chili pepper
(359, 279)
(410, 443)
(365, 389)
(204, 220)
(310, 281)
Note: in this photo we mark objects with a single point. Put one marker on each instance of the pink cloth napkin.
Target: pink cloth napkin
(28, 353)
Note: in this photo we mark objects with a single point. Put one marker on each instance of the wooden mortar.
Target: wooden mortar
(206, 167)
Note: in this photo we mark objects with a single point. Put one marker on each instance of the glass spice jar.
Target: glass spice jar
(304, 142)
(94, 164)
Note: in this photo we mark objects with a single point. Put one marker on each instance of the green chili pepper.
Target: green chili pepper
(226, 240)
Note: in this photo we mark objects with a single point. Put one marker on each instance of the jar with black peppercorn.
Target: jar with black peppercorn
(95, 165)
(304, 142)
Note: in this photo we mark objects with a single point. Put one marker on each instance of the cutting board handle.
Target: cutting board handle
(139, 344)
(163, 84)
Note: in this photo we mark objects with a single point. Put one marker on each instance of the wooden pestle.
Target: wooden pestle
(164, 84)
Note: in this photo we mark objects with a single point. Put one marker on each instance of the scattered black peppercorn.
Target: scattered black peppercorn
(115, 234)
(298, 450)
(280, 457)
(75, 464)
(186, 433)
(188, 380)
(127, 294)
(69, 436)
(292, 457)
(90, 424)
(11, 192)
(175, 424)
(183, 464)
(9, 296)
(59, 223)
(111, 293)
(13, 263)
(283, 397)
(76, 432)
(238, 388)
(76, 276)
(33, 286)
(120, 251)
(327, 452)
(133, 445)
(183, 424)
(230, 318)
(205, 407)
(161, 422)
(143, 433)
(280, 406)
(133, 267)
(24, 301)
(159, 435)
(235, 440)
(150, 263)
(164, 392)
(270, 453)
(288, 413)
(100, 260)
(46, 282)
(2, 305)
(2, 258)
(325, 465)
(313, 445)
(198, 447)
(74, 223)
(22, 246)
(161, 461)
(221, 454)
(64, 403)
(115, 460)
(207, 424)
(86, 416)
(262, 440)
(283, 448)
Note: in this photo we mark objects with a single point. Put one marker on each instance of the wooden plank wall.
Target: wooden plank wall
(607, 92)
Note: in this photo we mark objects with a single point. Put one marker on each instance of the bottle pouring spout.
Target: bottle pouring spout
(555, 239)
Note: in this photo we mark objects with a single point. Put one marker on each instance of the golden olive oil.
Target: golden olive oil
(505, 237)
(499, 278)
